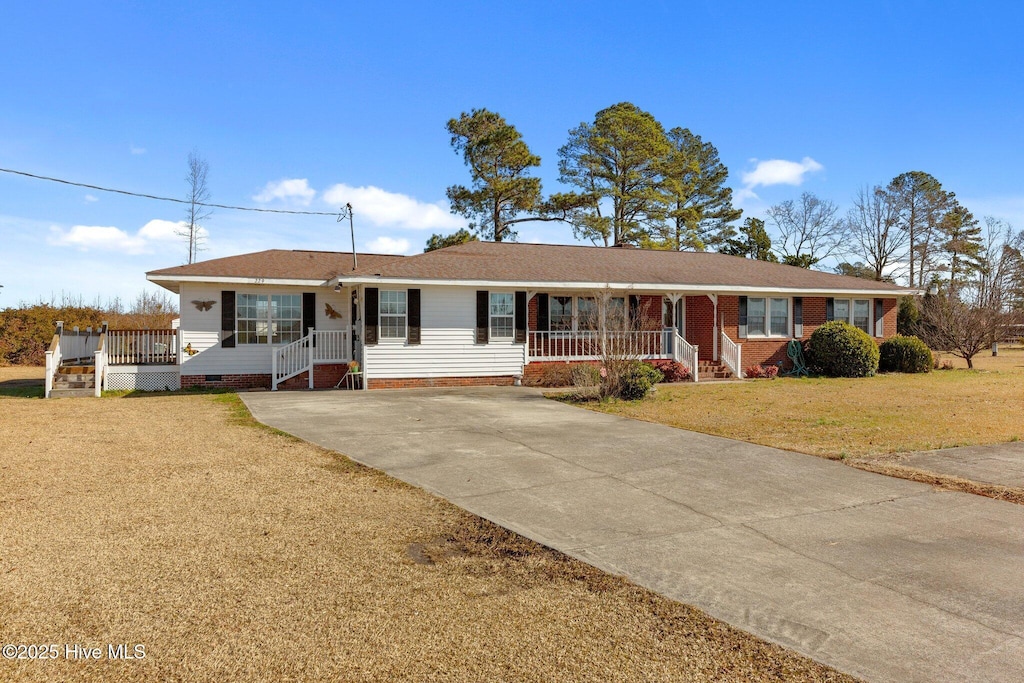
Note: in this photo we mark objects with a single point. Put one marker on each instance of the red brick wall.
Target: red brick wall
(771, 351)
(255, 381)
(325, 376)
(420, 382)
(700, 321)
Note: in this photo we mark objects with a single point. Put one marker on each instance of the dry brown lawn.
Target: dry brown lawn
(235, 553)
(856, 418)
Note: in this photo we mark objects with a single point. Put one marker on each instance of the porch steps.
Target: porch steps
(709, 371)
(72, 381)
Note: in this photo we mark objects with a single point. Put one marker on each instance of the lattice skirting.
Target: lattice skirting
(142, 381)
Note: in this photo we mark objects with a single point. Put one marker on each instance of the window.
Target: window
(393, 312)
(286, 318)
(615, 318)
(586, 313)
(767, 317)
(503, 309)
(780, 318)
(858, 315)
(252, 318)
(560, 313)
(755, 317)
(862, 314)
(262, 318)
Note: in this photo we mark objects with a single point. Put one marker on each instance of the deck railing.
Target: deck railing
(100, 363)
(142, 347)
(732, 354)
(332, 345)
(53, 359)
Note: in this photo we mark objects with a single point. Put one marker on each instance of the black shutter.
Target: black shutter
(308, 313)
(879, 318)
(371, 314)
(830, 309)
(521, 317)
(543, 320)
(634, 313)
(227, 319)
(483, 310)
(741, 322)
(798, 316)
(414, 316)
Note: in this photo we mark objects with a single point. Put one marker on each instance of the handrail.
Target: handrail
(53, 359)
(100, 366)
(318, 346)
(732, 354)
(686, 353)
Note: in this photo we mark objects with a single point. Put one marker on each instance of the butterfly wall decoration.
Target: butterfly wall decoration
(203, 305)
(331, 313)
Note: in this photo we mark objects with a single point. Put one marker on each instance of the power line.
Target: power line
(338, 215)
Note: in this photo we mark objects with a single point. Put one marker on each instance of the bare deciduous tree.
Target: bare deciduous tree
(809, 230)
(196, 212)
(874, 227)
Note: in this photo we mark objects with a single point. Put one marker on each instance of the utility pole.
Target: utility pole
(346, 212)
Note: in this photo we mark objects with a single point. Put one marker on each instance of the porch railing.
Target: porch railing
(100, 364)
(684, 352)
(594, 345)
(142, 347)
(54, 355)
(318, 346)
(732, 354)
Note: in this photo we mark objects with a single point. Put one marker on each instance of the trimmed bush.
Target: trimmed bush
(762, 372)
(838, 349)
(637, 379)
(673, 371)
(904, 354)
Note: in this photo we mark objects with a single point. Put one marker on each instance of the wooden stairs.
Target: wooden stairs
(74, 380)
(713, 371)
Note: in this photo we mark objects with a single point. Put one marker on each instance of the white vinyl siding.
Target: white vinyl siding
(447, 345)
(201, 329)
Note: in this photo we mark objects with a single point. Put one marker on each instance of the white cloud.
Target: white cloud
(91, 198)
(779, 172)
(389, 245)
(137, 150)
(391, 209)
(288, 189)
(109, 238)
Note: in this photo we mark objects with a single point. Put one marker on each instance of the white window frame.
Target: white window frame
(381, 315)
(511, 317)
(851, 302)
(270, 321)
(788, 334)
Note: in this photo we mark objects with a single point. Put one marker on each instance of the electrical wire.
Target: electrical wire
(336, 214)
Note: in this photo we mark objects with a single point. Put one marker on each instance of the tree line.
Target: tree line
(634, 182)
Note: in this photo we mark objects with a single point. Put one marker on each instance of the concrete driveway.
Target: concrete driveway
(882, 578)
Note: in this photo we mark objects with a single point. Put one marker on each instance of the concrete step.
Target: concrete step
(71, 393)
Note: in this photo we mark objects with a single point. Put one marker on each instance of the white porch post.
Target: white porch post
(311, 330)
(273, 369)
(714, 325)
(360, 305)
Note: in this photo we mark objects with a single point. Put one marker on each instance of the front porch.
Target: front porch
(583, 327)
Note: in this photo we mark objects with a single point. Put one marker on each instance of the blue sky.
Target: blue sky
(348, 102)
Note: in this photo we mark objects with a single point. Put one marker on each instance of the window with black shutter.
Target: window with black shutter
(227, 319)
(414, 316)
(370, 315)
